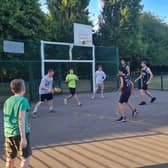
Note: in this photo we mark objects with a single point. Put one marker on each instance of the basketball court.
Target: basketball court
(89, 136)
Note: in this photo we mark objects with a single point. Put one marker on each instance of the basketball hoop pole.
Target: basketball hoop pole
(71, 45)
(42, 59)
(93, 69)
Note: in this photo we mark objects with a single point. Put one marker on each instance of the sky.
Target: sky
(157, 7)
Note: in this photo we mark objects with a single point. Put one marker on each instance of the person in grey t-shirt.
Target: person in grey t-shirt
(45, 92)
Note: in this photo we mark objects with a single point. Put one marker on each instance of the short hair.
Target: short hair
(144, 62)
(17, 85)
(50, 70)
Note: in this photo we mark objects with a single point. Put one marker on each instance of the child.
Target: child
(71, 79)
(16, 129)
(145, 77)
(45, 92)
(100, 77)
(126, 87)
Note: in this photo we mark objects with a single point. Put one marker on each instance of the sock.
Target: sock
(35, 110)
(51, 108)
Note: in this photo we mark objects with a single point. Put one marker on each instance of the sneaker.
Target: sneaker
(153, 99)
(52, 111)
(65, 101)
(79, 104)
(120, 119)
(134, 113)
(142, 103)
(102, 96)
(92, 97)
(34, 114)
(124, 119)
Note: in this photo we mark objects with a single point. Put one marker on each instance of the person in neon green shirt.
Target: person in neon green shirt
(72, 79)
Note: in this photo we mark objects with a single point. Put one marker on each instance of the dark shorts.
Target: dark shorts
(12, 148)
(72, 91)
(144, 87)
(124, 97)
(47, 97)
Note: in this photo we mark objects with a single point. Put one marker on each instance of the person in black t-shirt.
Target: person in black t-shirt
(145, 79)
(126, 88)
(124, 67)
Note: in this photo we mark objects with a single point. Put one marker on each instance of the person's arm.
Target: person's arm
(104, 76)
(23, 142)
(151, 76)
(138, 78)
(121, 84)
(43, 87)
(77, 78)
(66, 79)
(128, 69)
(132, 87)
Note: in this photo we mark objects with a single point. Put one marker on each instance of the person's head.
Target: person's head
(18, 86)
(123, 62)
(71, 71)
(143, 64)
(50, 73)
(100, 68)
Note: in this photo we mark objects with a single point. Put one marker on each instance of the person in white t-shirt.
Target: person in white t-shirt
(100, 77)
(45, 92)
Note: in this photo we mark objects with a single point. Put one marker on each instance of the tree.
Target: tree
(62, 15)
(22, 20)
(154, 33)
(119, 26)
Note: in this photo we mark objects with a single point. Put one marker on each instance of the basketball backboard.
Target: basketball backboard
(82, 35)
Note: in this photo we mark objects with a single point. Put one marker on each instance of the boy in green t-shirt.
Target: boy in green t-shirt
(16, 129)
(72, 79)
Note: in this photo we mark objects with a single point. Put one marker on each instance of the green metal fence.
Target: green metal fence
(28, 67)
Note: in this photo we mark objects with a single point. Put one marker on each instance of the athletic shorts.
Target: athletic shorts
(47, 97)
(100, 86)
(144, 86)
(72, 91)
(12, 147)
(124, 97)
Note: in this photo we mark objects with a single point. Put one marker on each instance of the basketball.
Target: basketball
(57, 90)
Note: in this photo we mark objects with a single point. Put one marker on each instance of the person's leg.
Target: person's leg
(142, 97)
(148, 93)
(133, 109)
(37, 106)
(150, 96)
(25, 163)
(94, 93)
(121, 111)
(70, 96)
(51, 105)
(25, 153)
(50, 101)
(10, 163)
(10, 150)
(102, 90)
(77, 99)
(130, 106)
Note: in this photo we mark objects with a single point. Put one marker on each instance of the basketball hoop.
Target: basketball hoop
(85, 41)
(82, 35)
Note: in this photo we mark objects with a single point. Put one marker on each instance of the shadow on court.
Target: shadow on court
(156, 166)
(95, 120)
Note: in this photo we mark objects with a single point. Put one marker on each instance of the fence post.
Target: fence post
(161, 76)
